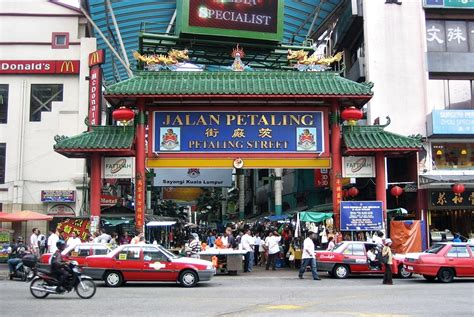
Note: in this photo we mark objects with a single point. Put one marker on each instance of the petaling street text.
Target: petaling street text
(196, 145)
(239, 119)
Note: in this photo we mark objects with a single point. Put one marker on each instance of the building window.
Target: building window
(3, 103)
(42, 96)
(60, 40)
(453, 155)
(3, 153)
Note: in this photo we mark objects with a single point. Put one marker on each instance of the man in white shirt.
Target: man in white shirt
(247, 243)
(34, 247)
(308, 257)
(273, 247)
(52, 239)
(73, 240)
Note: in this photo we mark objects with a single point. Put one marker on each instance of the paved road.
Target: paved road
(259, 293)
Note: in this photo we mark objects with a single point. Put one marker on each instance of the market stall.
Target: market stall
(228, 260)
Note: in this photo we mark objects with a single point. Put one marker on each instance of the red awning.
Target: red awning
(24, 215)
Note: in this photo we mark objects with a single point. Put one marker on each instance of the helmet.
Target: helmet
(388, 241)
(60, 244)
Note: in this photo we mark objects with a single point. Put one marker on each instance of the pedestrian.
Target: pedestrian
(73, 240)
(34, 246)
(273, 246)
(125, 239)
(247, 242)
(308, 257)
(52, 239)
(387, 256)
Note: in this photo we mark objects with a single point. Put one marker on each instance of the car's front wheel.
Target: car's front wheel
(340, 271)
(404, 273)
(446, 275)
(188, 278)
(113, 279)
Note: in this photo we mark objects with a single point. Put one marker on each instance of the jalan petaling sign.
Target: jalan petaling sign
(258, 19)
(238, 132)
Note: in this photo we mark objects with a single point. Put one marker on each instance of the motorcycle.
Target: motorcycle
(25, 269)
(44, 284)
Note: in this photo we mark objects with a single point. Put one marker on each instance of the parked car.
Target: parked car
(351, 257)
(147, 262)
(79, 252)
(443, 261)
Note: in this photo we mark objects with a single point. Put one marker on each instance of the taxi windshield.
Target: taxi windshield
(434, 248)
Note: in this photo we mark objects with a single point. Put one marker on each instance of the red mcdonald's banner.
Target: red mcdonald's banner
(66, 67)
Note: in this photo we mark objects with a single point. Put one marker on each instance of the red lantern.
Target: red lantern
(351, 115)
(396, 191)
(353, 191)
(458, 188)
(123, 115)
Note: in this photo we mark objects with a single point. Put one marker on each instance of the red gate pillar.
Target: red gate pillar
(96, 184)
(336, 174)
(380, 191)
(140, 179)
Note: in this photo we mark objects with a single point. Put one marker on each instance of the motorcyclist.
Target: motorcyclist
(16, 252)
(59, 268)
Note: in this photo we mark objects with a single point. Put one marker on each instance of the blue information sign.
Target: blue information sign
(361, 216)
(242, 132)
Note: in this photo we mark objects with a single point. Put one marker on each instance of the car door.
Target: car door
(156, 265)
(460, 258)
(129, 261)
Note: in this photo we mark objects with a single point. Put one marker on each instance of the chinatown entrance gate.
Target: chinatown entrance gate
(277, 119)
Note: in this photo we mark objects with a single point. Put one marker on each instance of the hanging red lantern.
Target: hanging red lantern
(353, 191)
(123, 115)
(351, 115)
(458, 188)
(396, 191)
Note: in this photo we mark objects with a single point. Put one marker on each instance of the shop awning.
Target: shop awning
(309, 216)
(114, 140)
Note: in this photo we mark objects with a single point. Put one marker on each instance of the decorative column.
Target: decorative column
(96, 184)
(336, 173)
(278, 191)
(140, 176)
(380, 181)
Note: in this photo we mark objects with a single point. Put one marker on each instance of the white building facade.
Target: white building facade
(44, 92)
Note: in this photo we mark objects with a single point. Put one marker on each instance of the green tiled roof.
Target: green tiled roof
(100, 137)
(375, 138)
(239, 83)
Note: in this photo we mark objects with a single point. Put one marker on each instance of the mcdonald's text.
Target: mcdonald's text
(66, 67)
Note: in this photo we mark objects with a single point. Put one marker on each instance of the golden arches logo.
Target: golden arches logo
(67, 66)
(94, 58)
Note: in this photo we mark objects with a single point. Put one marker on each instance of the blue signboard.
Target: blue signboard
(447, 122)
(241, 132)
(361, 216)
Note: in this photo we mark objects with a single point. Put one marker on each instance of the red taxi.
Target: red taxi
(351, 257)
(443, 261)
(79, 252)
(147, 262)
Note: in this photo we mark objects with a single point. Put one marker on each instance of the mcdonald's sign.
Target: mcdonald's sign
(63, 67)
(96, 58)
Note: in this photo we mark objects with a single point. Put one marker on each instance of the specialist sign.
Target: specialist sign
(118, 167)
(358, 166)
(255, 19)
(192, 177)
(361, 216)
(62, 67)
(58, 196)
(238, 132)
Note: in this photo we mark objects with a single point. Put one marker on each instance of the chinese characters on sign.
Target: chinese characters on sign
(443, 199)
(243, 132)
(449, 36)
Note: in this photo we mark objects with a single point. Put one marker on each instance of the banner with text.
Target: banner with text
(241, 132)
(361, 216)
(192, 177)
